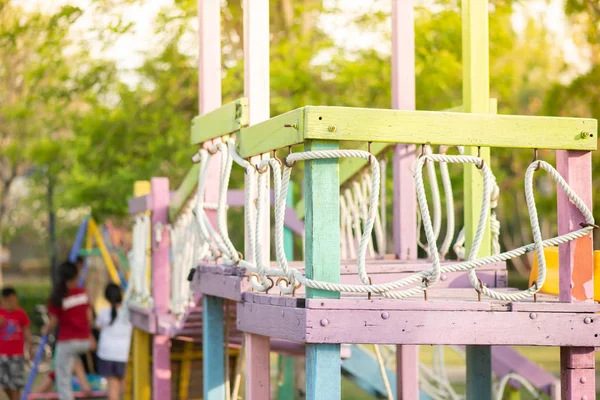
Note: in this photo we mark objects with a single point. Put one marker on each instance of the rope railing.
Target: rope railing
(139, 291)
(261, 277)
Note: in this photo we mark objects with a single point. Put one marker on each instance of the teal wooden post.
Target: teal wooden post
(286, 363)
(322, 232)
(213, 360)
(476, 93)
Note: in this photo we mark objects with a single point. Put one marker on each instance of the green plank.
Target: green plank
(225, 120)
(275, 133)
(183, 193)
(476, 90)
(438, 127)
(322, 231)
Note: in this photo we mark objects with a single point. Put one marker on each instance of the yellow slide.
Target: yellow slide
(551, 284)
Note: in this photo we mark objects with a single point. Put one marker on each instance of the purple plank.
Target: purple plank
(397, 305)
(139, 204)
(281, 322)
(555, 307)
(225, 286)
(142, 318)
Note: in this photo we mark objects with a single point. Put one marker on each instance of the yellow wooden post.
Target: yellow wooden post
(141, 340)
(186, 370)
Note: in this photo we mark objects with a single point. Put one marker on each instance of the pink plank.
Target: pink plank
(139, 204)
(443, 327)
(209, 59)
(576, 280)
(161, 286)
(397, 305)
(257, 373)
(405, 205)
(527, 306)
(78, 395)
(273, 321)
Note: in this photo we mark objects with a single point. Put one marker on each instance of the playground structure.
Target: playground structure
(348, 289)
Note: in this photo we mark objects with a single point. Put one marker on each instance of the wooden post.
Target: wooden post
(405, 200)
(161, 285)
(476, 93)
(209, 73)
(141, 339)
(286, 363)
(185, 372)
(322, 259)
(576, 279)
(256, 89)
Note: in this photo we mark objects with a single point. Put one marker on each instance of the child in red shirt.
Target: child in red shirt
(14, 332)
(69, 308)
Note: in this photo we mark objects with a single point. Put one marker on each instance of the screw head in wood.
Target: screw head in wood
(324, 322)
(533, 315)
(587, 320)
(331, 128)
(385, 315)
(584, 134)
(582, 379)
(584, 397)
(444, 277)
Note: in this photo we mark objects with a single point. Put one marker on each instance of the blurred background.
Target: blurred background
(96, 94)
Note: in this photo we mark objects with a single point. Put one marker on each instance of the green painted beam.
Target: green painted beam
(225, 120)
(278, 132)
(448, 128)
(417, 127)
(183, 193)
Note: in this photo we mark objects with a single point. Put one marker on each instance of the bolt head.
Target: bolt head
(587, 320)
(385, 315)
(533, 315)
(582, 379)
(331, 128)
(444, 277)
(584, 398)
(324, 322)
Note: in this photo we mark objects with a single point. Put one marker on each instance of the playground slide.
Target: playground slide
(551, 284)
(362, 368)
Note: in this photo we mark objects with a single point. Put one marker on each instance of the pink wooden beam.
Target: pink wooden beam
(415, 327)
(142, 318)
(405, 205)
(257, 90)
(161, 286)
(576, 280)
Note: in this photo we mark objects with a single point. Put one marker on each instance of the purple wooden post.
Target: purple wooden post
(161, 272)
(576, 271)
(405, 203)
(256, 89)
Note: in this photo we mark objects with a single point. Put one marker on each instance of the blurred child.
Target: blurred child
(115, 338)
(70, 308)
(14, 335)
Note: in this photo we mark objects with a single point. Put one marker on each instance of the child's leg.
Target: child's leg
(44, 386)
(114, 388)
(79, 372)
(12, 394)
(65, 357)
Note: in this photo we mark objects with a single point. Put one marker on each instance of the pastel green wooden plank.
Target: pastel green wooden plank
(223, 121)
(322, 221)
(275, 133)
(184, 191)
(438, 127)
(476, 90)
(322, 232)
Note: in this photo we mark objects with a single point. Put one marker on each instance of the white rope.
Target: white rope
(138, 259)
(383, 372)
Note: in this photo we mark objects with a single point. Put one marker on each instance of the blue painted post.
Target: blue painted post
(322, 231)
(286, 363)
(79, 239)
(213, 360)
(36, 362)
